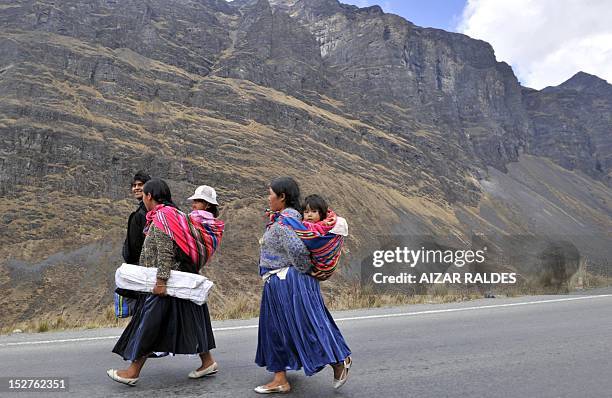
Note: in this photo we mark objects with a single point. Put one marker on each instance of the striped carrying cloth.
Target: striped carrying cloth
(197, 234)
(324, 246)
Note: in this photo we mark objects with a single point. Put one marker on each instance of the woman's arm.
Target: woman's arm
(163, 257)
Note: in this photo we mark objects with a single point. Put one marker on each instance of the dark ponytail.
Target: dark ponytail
(159, 190)
(213, 209)
(291, 189)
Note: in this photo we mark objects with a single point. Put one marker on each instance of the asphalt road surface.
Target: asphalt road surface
(544, 346)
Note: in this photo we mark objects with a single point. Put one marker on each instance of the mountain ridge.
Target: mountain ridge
(582, 80)
(402, 128)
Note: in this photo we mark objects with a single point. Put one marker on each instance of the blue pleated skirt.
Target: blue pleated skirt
(295, 328)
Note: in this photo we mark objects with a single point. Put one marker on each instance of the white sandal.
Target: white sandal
(284, 388)
(209, 371)
(112, 373)
(345, 373)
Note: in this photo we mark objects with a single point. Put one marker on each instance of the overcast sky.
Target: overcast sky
(545, 41)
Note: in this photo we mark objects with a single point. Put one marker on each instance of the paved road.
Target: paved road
(545, 346)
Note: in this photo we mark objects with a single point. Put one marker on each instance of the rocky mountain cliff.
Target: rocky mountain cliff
(405, 129)
(572, 124)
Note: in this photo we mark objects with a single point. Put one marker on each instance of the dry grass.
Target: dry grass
(243, 306)
(247, 306)
(349, 296)
(59, 323)
(580, 281)
(235, 307)
(356, 297)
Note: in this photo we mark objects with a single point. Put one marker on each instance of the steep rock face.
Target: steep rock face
(111, 88)
(573, 124)
(183, 33)
(270, 49)
(405, 78)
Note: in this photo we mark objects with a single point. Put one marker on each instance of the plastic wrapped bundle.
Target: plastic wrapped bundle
(183, 285)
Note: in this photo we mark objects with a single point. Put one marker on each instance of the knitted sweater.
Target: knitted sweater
(159, 251)
(281, 247)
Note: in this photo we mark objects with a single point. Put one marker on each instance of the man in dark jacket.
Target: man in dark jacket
(136, 222)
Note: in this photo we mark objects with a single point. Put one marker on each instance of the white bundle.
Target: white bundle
(184, 285)
(341, 227)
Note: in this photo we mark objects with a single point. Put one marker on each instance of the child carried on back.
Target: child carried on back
(318, 217)
(324, 236)
(321, 231)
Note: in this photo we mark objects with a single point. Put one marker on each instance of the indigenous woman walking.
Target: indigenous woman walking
(162, 324)
(295, 328)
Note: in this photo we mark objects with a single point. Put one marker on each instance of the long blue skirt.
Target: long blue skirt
(295, 328)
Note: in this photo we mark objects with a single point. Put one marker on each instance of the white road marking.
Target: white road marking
(353, 318)
(480, 307)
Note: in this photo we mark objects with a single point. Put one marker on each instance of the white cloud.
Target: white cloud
(545, 41)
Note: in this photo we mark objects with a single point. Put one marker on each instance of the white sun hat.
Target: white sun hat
(206, 193)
